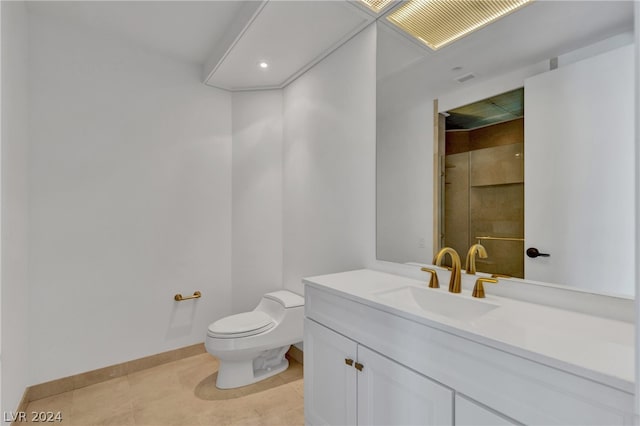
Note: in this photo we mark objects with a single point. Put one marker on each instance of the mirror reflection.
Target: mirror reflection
(483, 189)
(519, 137)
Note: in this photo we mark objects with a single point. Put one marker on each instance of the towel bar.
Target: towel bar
(499, 238)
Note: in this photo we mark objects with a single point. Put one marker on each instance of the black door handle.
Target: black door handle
(533, 252)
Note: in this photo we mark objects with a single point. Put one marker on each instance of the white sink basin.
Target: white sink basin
(434, 301)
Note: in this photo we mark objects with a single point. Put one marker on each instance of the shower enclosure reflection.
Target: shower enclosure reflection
(484, 181)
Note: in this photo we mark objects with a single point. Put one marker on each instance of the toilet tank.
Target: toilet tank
(279, 304)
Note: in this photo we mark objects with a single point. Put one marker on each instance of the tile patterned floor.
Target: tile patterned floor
(181, 393)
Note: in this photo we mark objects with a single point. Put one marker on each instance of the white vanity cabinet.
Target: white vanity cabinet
(347, 384)
(421, 373)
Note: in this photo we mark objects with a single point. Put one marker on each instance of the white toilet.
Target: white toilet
(251, 345)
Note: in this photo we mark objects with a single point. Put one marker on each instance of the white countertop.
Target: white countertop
(593, 347)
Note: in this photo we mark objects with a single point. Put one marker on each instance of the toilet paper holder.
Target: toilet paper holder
(179, 297)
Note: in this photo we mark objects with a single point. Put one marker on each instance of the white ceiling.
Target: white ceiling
(395, 53)
(227, 38)
(291, 36)
(187, 30)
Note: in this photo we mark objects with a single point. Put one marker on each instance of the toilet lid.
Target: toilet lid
(241, 325)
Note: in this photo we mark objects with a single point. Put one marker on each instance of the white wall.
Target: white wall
(257, 196)
(404, 220)
(14, 231)
(137, 193)
(329, 164)
(130, 169)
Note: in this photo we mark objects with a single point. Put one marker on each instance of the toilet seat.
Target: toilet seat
(241, 325)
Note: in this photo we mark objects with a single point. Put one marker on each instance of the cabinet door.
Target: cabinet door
(469, 413)
(391, 394)
(329, 383)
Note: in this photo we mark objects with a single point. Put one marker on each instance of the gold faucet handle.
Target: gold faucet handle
(500, 276)
(478, 289)
(433, 281)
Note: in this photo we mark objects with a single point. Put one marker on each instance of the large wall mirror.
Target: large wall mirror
(517, 136)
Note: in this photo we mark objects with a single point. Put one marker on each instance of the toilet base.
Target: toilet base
(234, 374)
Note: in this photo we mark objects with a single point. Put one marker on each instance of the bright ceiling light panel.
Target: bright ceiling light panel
(377, 5)
(439, 22)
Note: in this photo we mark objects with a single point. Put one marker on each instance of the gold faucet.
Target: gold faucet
(454, 282)
(470, 264)
(478, 289)
(433, 281)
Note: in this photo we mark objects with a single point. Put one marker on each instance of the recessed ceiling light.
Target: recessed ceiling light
(263, 64)
(377, 5)
(439, 22)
